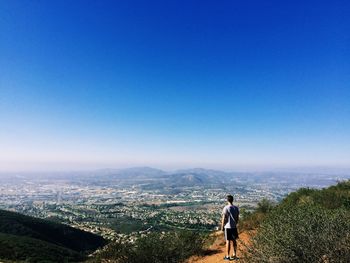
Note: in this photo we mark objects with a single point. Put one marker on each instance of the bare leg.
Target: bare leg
(228, 248)
(234, 248)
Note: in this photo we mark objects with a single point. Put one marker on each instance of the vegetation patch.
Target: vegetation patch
(308, 226)
(169, 247)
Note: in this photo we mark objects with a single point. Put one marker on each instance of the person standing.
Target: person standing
(229, 221)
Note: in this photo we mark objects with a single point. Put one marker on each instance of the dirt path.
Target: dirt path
(216, 252)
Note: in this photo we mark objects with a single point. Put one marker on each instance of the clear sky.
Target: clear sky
(220, 84)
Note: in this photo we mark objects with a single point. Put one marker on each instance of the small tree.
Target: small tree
(264, 206)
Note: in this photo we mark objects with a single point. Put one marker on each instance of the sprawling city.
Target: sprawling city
(133, 202)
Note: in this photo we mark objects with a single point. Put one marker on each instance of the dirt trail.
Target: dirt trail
(216, 252)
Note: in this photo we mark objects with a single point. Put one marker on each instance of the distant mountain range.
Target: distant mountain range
(207, 177)
(152, 178)
(31, 240)
(158, 178)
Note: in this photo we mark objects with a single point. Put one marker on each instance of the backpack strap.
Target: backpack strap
(231, 216)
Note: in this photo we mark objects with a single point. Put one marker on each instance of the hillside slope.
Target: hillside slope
(27, 238)
(34, 250)
(309, 225)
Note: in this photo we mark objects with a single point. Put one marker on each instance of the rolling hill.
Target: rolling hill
(35, 240)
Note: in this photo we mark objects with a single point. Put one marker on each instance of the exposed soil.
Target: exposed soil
(216, 252)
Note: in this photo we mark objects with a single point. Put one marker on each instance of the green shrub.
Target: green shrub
(252, 220)
(303, 233)
(170, 247)
(265, 206)
(337, 196)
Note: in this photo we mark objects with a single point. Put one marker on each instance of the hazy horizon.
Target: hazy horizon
(331, 170)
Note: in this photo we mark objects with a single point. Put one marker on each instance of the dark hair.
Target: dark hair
(230, 198)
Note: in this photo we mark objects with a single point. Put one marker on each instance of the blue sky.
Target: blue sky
(220, 84)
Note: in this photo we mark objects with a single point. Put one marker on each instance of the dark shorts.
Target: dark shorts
(231, 233)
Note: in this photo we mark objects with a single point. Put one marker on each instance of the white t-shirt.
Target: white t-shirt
(230, 212)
